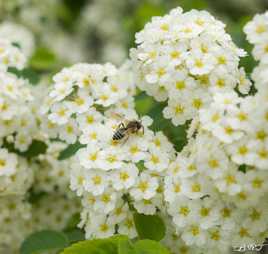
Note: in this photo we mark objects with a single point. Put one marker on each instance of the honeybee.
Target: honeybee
(124, 130)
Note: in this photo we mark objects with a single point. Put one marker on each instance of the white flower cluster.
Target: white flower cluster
(217, 188)
(20, 124)
(10, 55)
(186, 58)
(257, 34)
(111, 176)
(53, 212)
(15, 173)
(15, 220)
(76, 89)
(52, 174)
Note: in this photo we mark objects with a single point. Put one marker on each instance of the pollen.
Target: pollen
(243, 232)
(154, 159)
(230, 179)
(97, 180)
(221, 60)
(177, 188)
(260, 29)
(243, 150)
(196, 187)
(93, 157)
(184, 210)
(213, 163)
(226, 212)
(134, 149)
(257, 183)
(143, 186)
(180, 85)
(175, 54)
(124, 176)
(161, 72)
(195, 230)
(112, 158)
(179, 109)
(104, 227)
(2, 163)
(215, 235)
(197, 103)
(105, 198)
(199, 63)
(90, 119)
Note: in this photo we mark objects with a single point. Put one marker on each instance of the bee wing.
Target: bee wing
(119, 117)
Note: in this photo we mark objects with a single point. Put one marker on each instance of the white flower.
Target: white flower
(60, 113)
(96, 182)
(257, 29)
(194, 188)
(148, 207)
(145, 187)
(182, 211)
(127, 227)
(69, 132)
(125, 177)
(230, 182)
(200, 64)
(8, 162)
(156, 160)
(194, 235)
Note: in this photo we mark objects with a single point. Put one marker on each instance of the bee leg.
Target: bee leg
(121, 125)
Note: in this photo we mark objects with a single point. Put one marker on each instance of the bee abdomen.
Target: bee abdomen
(118, 135)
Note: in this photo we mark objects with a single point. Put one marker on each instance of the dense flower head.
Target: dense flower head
(111, 175)
(53, 211)
(16, 174)
(257, 31)
(52, 175)
(216, 189)
(186, 58)
(15, 220)
(10, 55)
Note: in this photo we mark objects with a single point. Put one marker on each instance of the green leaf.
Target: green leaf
(44, 240)
(73, 221)
(70, 151)
(149, 226)
(96, 246)
(126, 247)
(36, 148)
(43, 59)
(75, 235)
(149, 247)
(26, 73)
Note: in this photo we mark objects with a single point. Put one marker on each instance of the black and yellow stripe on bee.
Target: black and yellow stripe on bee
(119, 134)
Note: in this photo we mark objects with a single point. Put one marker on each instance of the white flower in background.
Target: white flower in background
(15, 219)
(10, 55)
(257, 29)
(188, 55)
(18, 35)
(8, 163)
